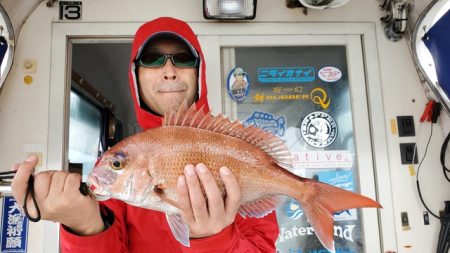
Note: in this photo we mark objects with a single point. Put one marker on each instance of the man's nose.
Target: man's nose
(169, 71)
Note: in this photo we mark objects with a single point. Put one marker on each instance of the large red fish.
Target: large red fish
(143, 169)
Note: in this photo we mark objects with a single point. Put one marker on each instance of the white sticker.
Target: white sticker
(319, 129)
(330, 74)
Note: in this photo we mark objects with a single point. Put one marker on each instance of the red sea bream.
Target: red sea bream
(143, 169)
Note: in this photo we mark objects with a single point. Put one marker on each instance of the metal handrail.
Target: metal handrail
(434, 87)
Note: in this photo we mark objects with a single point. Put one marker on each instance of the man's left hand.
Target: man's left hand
(210, 215)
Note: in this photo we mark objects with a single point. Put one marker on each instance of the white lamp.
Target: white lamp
(229, 9)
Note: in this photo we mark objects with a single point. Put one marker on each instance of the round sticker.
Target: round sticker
(319, 129)
(238, 84)
(329, 74)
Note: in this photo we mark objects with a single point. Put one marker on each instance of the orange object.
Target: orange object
(143, 169)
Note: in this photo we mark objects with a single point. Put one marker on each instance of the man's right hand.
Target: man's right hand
(58, 197)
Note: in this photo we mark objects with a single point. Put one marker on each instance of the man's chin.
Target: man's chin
(175, 104)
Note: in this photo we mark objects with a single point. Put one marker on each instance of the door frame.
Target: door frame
(210, 35)
(358, 102)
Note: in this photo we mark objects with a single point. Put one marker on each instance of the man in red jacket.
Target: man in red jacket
(167, 67)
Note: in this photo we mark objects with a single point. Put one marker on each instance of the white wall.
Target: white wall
(24, 109)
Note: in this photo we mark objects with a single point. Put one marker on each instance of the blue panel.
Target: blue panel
(437, 39)
(3, 48)
(14, 227)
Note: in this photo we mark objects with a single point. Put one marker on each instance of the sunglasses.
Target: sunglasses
(181, 60)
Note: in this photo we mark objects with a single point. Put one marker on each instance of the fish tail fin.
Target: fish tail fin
(323, 202)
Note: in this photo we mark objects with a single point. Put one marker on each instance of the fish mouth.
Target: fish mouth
(97, 189)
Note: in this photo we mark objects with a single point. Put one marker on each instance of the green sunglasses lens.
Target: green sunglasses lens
(184, 60)
(152, 60)
(158, 60)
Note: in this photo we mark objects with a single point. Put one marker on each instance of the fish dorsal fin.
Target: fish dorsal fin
(261, 207)
(199, 118)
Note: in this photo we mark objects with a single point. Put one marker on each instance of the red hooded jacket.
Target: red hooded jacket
(137, 229)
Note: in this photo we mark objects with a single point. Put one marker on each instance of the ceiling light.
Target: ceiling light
(229, 9)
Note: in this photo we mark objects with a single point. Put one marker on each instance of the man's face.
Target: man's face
(167, 87)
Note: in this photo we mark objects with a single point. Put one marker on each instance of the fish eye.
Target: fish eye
(117, 164)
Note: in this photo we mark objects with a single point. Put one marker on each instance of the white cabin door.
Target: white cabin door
(310, 91)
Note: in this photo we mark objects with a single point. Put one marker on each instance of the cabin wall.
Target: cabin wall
(418, 8)
(24, 108)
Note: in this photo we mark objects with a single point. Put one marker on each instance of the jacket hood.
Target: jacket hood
(148, 31)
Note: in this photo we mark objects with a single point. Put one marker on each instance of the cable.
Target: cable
(444, 239)
(444, 233)
(426, 150)
(417, 174)
(443, 149)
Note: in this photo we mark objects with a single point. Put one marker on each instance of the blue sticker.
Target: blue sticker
(14, 227)
(267, 122)
(238, 84)
(344, 180)
(286, 75)
(293, 210)
(339, 178)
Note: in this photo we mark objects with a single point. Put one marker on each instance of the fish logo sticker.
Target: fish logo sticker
(319, 129)
(238, 84)
(330, 74)
(293, 210)
(267, 122)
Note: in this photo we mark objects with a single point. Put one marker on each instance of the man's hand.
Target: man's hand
(206, 217)
(58, 197)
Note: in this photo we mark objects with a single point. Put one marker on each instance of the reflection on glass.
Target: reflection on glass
(84, 133)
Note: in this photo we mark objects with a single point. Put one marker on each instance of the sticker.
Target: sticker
(393, 123)
(293, 210)
(260, 98)
(279, 89)
(319, 129)
(238, 84)
(345, 232)
(412, 171)
(344, 180)
(322, 159)
(319, 96)
(14, 227)
(286, 75)
(28, 79)
(268, 122)
(337, 250)
(70, 10)
(329, 74)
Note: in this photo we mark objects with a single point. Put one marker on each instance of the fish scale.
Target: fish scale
(242, 163)
(143, 169)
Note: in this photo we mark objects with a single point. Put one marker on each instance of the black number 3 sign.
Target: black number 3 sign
(70, 10)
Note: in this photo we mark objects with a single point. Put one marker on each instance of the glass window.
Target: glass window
(302, 95)
(84, 132)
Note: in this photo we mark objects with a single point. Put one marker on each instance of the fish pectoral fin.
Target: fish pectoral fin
(159, 190)
(261, 207)
(179, 228)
